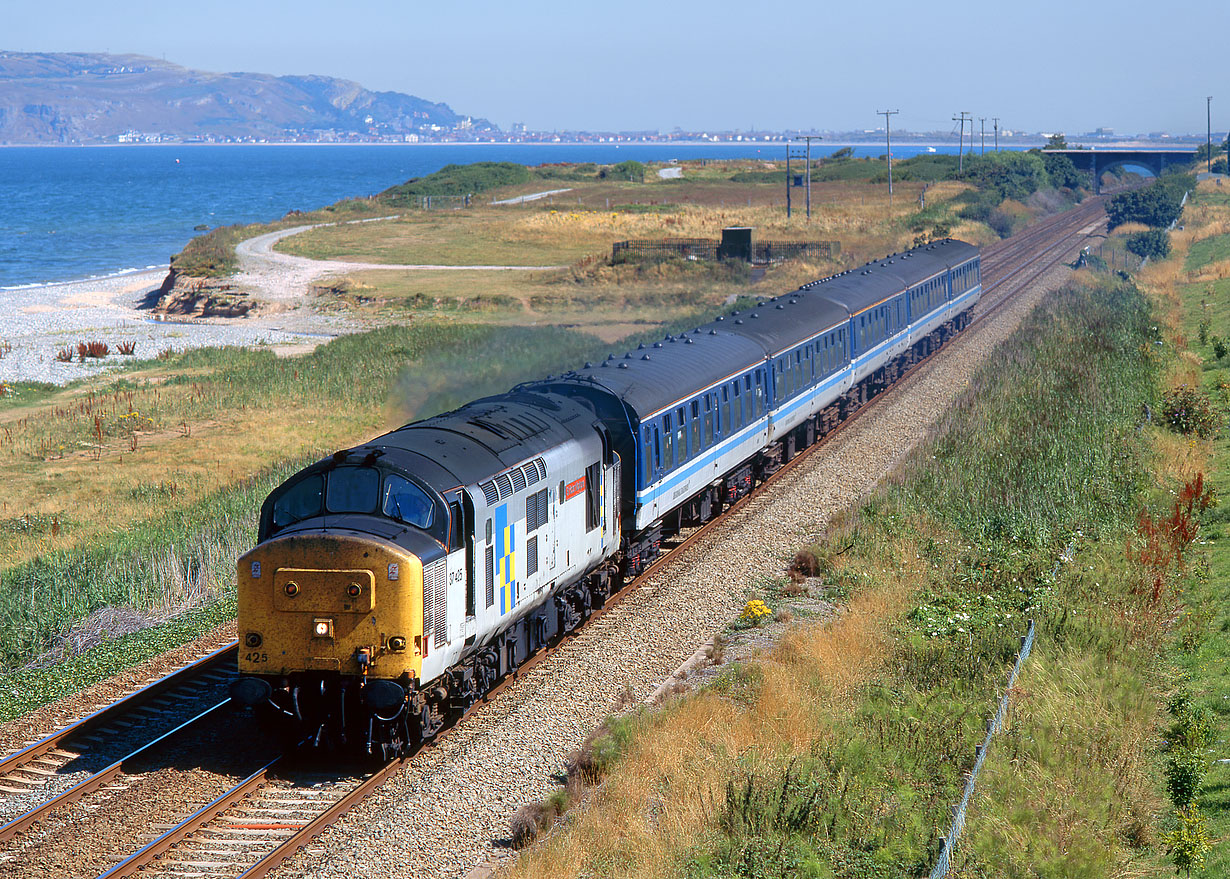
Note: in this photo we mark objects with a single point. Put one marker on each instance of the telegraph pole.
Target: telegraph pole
(789, 181)
(996, 118)
(809, 138)
(1208, 109)
(983, 120)
(961, 142)
(888, 145)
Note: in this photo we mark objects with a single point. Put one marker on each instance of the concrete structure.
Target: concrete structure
(1098, 160)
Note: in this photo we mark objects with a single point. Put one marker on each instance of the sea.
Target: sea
(73, 213)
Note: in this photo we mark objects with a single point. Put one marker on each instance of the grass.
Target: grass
(209, 428)
(840, 752)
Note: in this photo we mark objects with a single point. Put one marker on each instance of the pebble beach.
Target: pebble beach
(39, 321)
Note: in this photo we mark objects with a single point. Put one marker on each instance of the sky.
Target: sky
(1047, 65)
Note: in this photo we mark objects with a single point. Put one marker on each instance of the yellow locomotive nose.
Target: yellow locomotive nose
(354, 617)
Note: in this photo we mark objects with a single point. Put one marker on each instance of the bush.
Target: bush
(458, 180)
(1184, 773)
(1186, 410)
(1157, 205)
(1153, 244)
(629, 170)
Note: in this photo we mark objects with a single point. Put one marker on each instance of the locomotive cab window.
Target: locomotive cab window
(300, 501)
(406, 502)
(352, 490)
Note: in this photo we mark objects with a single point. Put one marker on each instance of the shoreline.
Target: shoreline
(42, 320)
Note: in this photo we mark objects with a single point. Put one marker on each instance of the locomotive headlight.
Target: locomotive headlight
(322, 628)
(354, 590)
(397, 644)
(252, 639)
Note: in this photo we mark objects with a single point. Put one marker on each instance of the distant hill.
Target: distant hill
(95, 98)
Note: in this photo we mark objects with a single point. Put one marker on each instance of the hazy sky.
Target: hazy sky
(1048, 64)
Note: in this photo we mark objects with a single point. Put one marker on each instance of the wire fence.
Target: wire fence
(949, 842)
(762, 252)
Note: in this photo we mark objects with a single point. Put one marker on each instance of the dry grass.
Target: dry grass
(52, 473)
(661, 797)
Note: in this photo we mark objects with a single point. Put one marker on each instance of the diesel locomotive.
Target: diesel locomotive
(394, 583)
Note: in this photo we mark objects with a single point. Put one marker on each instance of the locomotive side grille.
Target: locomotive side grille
(435, 597)
(530, 471)
(504, 484)
(490, 558)
(531, 556)
(518, 479)
(490, 493)
(542, 467)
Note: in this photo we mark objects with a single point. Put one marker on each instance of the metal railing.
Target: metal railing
(995, 725)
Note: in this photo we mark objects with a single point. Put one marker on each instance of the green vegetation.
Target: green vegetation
(841, 754)
(457, 180)
(1158, 204)
(1151, 244)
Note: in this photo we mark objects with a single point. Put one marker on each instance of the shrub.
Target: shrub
(1203, 330)
(1153, 244)
(65, 355)
(1184, 772)
(457, 180)
(1187, 410)
(1188, 842)
(1219, 347)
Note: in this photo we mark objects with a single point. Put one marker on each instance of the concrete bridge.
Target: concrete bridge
(1098, 160)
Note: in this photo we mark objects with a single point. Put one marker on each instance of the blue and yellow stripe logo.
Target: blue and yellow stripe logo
(506, 559)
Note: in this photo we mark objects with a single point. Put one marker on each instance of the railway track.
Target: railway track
(281, 807)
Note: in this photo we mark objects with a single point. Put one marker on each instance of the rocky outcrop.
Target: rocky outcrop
(186, 296)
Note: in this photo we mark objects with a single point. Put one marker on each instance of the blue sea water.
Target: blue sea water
(76, 212)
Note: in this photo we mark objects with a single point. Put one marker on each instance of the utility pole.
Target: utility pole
(888, 145)
(996, 118)
(789, 181)
(983, 148)
(961, 142)
(1208, 109)
(809, 138)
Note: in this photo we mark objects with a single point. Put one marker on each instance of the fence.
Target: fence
(763, 252)
(442, 202)
(958, 819)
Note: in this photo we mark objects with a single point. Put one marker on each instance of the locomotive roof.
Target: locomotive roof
(653, 377)
(483, 438)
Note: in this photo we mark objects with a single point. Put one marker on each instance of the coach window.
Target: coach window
(695, 427)
(681, 435)
(708, 422)
(657, 448)
(668, 442)
(737, 409)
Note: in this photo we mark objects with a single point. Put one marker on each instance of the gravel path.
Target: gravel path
(448, 810)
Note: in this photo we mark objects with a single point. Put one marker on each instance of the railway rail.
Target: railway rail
(281, 807)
